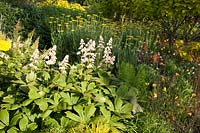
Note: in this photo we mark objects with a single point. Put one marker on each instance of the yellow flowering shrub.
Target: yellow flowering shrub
(62, 4)
(188, 52)
(5, 45)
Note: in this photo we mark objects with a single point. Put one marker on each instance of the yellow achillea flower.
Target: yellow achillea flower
(5, 45)
(165, 89)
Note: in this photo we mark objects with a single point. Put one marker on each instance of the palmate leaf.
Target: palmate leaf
(60, 80)
(73, 116)
(89, 111)
(118, 104)
(79, 110)
(106, 113)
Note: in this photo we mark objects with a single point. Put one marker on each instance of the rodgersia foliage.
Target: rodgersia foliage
(41, 91)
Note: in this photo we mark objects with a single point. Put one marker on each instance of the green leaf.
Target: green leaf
(42, 103)
(89, 111)
(33, 93)
(79, 110)
(9, 99)
(118, 104)
(15, 119)
(2, 125)
(46, 75)
(105, 112)
(73, 116)
(1, 93)
(32, 126)
(46, 114)
(52, 122)
(27, 102)
(110, 105)
(23, 123)
(4, 117)
(64, 121)
(83, 86)
(91, 86)
(2, 131)
(60, 81)
(104, 77)
(127, 108)
(13, 130)
(31, 77)
(15, 106)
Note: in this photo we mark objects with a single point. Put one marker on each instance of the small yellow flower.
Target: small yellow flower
(164, 89)
(5, 45)
(147, 84)
(1, 62)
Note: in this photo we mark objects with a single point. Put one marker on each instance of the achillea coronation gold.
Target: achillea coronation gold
(5, 45)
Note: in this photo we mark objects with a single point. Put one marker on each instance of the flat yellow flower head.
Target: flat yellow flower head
(5, 45)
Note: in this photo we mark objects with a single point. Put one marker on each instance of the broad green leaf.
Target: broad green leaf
(79, 110)
(13, 130)
(1, 93)
(56, 98)
(14, 106)
(127, 108)
(104, 77)
(27, 102)
(42, 103)
(9, 99)
(74, 98)
(91, 86)
(46, 114)
(31, 77)
(65, 97)
(15, 119)
(32, 126)
(73, 116)
(33, 93)
(2, 125)
(64, 121)
(83, 86)
(2, 131)
(110, 105)
(89, 111)
(60, 81)
(118, 104)
(46, 75)
(106, 113)
(18, 82)
(23, 123)
(4, 117)
(52, 122)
